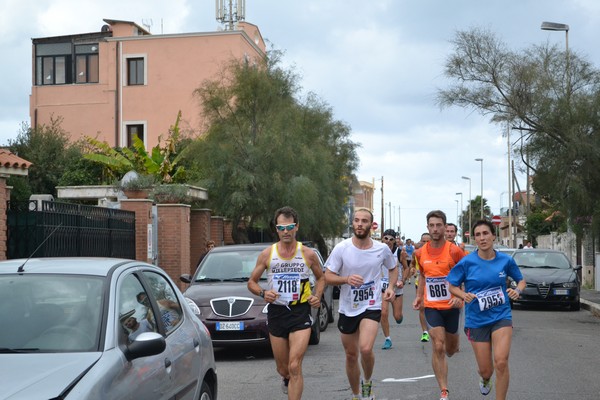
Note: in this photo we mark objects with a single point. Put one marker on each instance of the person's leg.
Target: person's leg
(350, 343)
(483, 357)
(501, 341)
(423, 322)
(397, 309)
(281, 353)
(367, 334)
(385, 325)
(438, 356)
(298, 342)
(452, 336)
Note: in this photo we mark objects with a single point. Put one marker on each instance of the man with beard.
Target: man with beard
(442, 310)
(355, 265)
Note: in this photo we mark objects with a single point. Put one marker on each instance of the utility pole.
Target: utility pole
(382, 209)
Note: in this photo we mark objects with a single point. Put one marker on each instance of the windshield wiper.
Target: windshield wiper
(525, 266)
(208, 280)
(25, 350)
(244, 279)
(549, 267)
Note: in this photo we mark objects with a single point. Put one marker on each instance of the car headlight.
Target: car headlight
(194, 307)
(265, 309)
(569, 284)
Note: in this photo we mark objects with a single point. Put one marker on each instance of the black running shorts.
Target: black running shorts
(349, 325)
(282, 320)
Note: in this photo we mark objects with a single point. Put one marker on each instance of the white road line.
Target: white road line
(415, 379)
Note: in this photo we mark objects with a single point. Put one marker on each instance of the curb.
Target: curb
(591, 307)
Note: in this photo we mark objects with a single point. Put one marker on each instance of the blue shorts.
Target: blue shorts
(445, 318)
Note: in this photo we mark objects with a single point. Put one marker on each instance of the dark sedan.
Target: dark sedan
(231, 313)
(550, 277)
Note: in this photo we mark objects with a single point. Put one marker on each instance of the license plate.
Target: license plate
(561, 292)
(230, 326)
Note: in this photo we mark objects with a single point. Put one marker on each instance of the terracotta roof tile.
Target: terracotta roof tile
(10, 160)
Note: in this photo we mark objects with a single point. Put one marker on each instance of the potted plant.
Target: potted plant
(136, 186)
(171, 194)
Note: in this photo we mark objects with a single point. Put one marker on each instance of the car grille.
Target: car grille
(231, 306)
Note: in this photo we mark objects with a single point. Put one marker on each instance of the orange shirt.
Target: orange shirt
(436, 264)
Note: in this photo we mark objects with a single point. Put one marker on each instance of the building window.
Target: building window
(135, 71)
(64, 63)
(86, 63)
(133, 130)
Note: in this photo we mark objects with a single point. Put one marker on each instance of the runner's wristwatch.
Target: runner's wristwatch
(261, 293)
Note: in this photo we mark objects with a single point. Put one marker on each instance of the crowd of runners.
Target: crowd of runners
(372, 276)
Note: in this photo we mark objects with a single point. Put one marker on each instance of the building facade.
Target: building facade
(123, 81)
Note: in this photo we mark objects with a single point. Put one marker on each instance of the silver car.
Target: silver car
(99, 328)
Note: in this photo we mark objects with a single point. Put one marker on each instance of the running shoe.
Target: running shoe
(355, 397)
(284, 385)
(387, 344)
(425, 337)
(366, 390)
(485, 386)
(444, 394)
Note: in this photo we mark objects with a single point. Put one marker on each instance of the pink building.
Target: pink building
(123, 80)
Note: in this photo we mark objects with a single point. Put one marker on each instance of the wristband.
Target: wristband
(518, 291)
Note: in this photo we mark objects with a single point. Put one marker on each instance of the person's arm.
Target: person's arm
(253, 286)
(461, 294)
(317, 269)
(393, 276)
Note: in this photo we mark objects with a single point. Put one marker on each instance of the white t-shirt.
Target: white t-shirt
(385, 276)
(346, 259)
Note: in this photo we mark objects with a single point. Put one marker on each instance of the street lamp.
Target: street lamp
(481, 161)
(469, 179)
(462, 228)
(555, 26)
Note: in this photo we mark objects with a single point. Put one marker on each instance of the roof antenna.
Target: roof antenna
(21, 269)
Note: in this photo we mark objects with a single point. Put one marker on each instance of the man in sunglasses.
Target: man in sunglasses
(355, 264)
(288, 264)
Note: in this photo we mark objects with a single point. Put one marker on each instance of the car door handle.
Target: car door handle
(167, 363)
(196, 343)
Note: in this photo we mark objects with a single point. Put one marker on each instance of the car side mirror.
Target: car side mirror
(186, 278)
(578, 267)
(146, 344)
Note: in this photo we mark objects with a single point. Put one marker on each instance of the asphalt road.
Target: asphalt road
(555, 356)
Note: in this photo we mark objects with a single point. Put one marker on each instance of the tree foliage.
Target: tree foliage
(47, 147)
(475, 206)
(266, 149)
(551, 97)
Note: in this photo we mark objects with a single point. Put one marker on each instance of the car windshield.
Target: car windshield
(228, 266)
(540, 259)
(50, 313)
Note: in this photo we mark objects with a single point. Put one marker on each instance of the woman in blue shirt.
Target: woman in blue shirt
(488, 319)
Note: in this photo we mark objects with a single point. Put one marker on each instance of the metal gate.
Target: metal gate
(53, 229)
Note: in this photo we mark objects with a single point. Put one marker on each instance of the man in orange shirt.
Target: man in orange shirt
(442, 310)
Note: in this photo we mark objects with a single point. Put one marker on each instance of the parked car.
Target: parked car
(99, 328)
(550, 278)
(232, 314)
(326, 314)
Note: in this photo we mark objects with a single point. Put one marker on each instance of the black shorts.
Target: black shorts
(484, 333)
(447, 318)
(349, 325)
(282, 320)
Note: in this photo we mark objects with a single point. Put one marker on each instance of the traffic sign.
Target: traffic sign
(467, 234)
(375, 225)
(496, 220)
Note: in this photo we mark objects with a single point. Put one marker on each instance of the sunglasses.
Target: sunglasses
(282, 228)
(388, 238)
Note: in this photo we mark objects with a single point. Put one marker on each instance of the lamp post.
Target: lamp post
(469, 179)
(462, 228)
(481, 161)
(555, 26)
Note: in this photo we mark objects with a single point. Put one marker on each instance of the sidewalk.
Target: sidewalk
(590, 300)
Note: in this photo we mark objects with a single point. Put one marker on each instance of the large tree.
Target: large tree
(551, 97)
(265, 148)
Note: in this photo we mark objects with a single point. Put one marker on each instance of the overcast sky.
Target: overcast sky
(377, 63)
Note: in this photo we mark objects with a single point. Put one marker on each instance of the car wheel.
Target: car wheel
(315, 331)
(205, 392)
(576, 306)
(323, 315)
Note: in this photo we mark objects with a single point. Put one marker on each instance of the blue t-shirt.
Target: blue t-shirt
(487, 280)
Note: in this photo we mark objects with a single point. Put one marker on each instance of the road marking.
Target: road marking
(415, 379)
